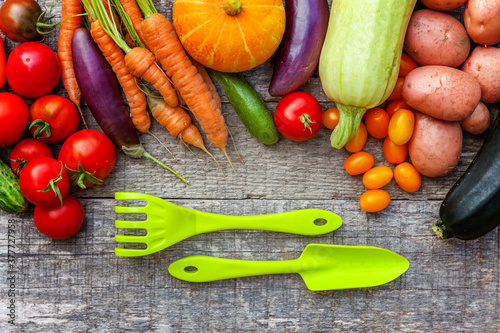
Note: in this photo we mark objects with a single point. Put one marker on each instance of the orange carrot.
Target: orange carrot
(208, 81)
(161, 39)
(71, 9)
(133, 11)
(115, 57)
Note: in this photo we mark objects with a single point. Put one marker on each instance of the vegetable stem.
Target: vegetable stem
(147, 7)
(350, 118)
(232, 7)
(441, 231)
(109, 25)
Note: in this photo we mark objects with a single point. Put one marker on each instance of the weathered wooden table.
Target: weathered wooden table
(79, 285)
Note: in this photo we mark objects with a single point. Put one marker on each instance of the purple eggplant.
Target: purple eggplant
(102, 94)
(298, 54)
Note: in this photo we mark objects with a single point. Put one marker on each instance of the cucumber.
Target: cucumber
(248, 105)
(11, 198)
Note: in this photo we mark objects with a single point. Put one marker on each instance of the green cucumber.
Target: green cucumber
(11, 198)
(248, 105)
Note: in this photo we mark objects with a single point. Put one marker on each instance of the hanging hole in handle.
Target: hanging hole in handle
(190, 269)
(320, 222)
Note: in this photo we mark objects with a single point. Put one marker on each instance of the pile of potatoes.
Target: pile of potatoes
(459, 71)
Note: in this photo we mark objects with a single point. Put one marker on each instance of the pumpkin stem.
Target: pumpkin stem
(232, 7)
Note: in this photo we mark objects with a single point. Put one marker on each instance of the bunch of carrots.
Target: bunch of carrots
(148, 51)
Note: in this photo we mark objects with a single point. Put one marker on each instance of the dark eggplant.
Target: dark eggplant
(298, 54)
(471, 208)
(102, 94)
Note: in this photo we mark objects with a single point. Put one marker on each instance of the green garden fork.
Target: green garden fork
(167, 224)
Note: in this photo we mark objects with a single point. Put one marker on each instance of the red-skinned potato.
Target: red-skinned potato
(478, 122)
(435, 146)
(441, 92)
(442, 4)
(482, 21)
(484, 64)
(436, 38)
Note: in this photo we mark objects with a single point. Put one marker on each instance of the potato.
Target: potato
(436, 38)
(482, 21)
(443, 4)
(435, 146)
(478, 122)
(484, 65)
(441, 92)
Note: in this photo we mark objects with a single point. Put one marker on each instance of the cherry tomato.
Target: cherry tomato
(377, 177)
(44, 181)
(407, 65)
(374, 200)
(401, 126)
(60, 222)
(377, 122)
(33, 70)
(53, 118)
(26, 150)
(397, 92)
(396, 105)
(14, 115)
(331, 118)
(407, 177)
(2, 64)
(298, 116)
(393, 153)
(89, 156)
(358, 140)
(18, 20)
(359, 163)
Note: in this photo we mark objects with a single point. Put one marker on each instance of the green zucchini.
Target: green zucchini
(11, 198)
(471, 208)
(360, 58)
(248, 105)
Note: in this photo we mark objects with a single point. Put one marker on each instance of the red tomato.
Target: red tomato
(359, 163)
(44, 181)
(377, 177)
(358, 140)
(407, 65)
(2, 64)
(374, 200)
(60, 222)
(33, 69)
(377, 122)
(26, 150)
(89, 155)
(298, 116)
(331, 118)
(407, 177)
(393, 153)
(395, 105)
(14, 115)
(397, 92)
(53, 118)
(401, 126)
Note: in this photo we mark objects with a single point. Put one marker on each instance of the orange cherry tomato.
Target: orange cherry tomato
(359, 163)
(401, 126)
(331, 118)
(396, 105)
(377, 122)
(393, 153)
(374, 200)
(377, 177)
(407, 177)
(358, 140)
(397, 92)
(407, 65)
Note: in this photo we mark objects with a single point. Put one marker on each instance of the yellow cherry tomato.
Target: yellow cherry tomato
(331, 118)
(393, 153)
(374, 200)
(401, 126)
(377, 177)
(358, 140)
(407, 177)
(359, 163)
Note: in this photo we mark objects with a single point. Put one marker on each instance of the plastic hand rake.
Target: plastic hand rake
(167, 223)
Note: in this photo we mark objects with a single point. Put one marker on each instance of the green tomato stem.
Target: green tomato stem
(350, 118)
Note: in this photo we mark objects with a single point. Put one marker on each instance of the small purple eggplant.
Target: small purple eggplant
(101, 92)
(298, 55)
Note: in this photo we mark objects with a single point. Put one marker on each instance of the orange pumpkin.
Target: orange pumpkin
(230, 35)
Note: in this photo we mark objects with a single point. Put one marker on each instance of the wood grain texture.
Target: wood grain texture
(79, 285)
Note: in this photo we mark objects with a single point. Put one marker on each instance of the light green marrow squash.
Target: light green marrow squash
(360, 58)
(11, 198)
